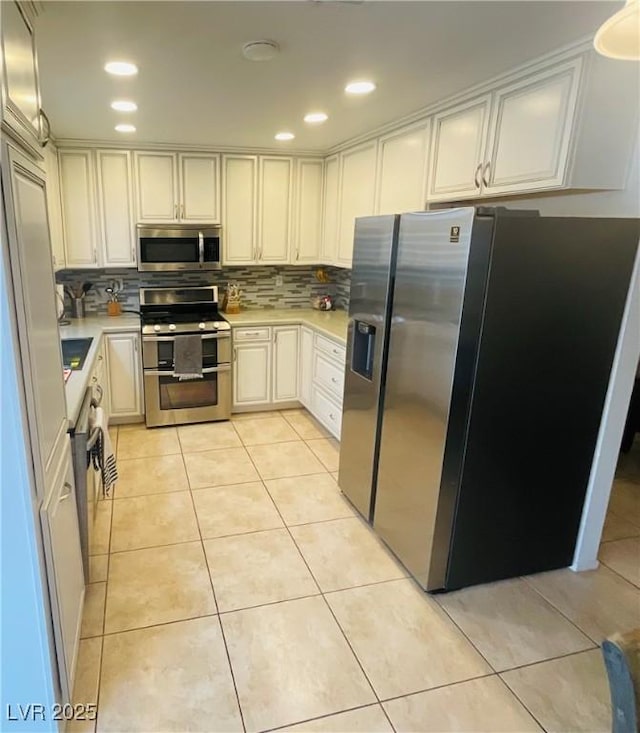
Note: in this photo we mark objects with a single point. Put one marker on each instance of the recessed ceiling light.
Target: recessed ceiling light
(359, 87)
(316, 117)
(125, 128)
(285, 136)
(260, 50)
(122, 105)
(121, 68)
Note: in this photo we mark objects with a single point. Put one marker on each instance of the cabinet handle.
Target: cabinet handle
(100, 357)
(336, 351)
(95, 255)
(44, 138)
(235, 353)
(69, 488)
(133, 254)
(297, 255)
(485, 174)
(334, 380)
(182, 211)
(275, 337)
(94, 379)
(135, 345)
(475, 175)
(175, 211)
(332, 416)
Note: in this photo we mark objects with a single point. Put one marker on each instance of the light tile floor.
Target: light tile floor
(237, 590)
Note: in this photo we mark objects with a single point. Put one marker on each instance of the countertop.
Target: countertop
(90, 327)
(332, 323)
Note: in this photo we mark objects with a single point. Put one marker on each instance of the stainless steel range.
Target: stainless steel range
(168, 313)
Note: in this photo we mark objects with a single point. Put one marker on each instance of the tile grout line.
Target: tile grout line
(215, 600)
(620, 575)
(304, 560)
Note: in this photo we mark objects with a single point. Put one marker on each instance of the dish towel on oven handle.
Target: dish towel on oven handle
(187, 357)
(101, 451)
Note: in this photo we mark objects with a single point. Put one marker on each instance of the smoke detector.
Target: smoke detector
(260, 50)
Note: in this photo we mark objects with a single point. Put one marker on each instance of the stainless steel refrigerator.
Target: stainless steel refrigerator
(479, 351)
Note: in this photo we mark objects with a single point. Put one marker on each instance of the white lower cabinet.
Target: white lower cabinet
(65, 574)
(125, 375)
(252, 374)
(305, 365)
(285, 363)
(326, 410)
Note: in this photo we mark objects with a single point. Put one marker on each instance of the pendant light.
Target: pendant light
(619, 37)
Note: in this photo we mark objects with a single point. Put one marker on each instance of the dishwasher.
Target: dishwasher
(87, 481)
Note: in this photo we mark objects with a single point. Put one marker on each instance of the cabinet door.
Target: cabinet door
(402, 170)
(21, 93)
(457, 150)
(274, 210)
(531, 131)
(357, 188)
(308, 219)
(65, 574)
(25, 197)
(330, 209)
(54, 206)
(239, 195)
(199, 187)
(306, 366)
(157, 187)
(285, 363)
(252, 374)
(77, 187)
(124, 370)
(116, 210)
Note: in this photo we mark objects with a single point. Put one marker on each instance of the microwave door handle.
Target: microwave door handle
(201, 248)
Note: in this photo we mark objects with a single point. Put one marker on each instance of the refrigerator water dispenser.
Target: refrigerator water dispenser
(364, 337)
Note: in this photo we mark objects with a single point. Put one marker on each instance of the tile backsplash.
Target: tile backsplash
(257, 285)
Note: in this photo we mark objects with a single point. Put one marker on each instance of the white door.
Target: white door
(274, 223)
(306, 365)
(54, 206)
(115, 204)
(239, 198)
(65, 574)
(285, 363)
(531, 130)
(330, 203)
(402, 170)
(77, 188)
(199, 187)
(24, 190)
(457, 150)
(124, 370)
(308, 218)
(156, 186)
(357, 188)
(251, 374)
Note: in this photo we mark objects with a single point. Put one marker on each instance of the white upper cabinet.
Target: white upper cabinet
(331, 200)
(199, 187)
(239, 198)
(357, 188)
(77, 187)
(402, 170)
(457, 150)
(20, 84)
(116, 208)
(178, 187)
(157, 187)
(54, 206)
(530, 131)
(308, 211)
(274, 222)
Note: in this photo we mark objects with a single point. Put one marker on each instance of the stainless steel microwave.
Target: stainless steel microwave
(171, 247)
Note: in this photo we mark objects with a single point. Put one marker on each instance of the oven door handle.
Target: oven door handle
(201, 248)
(204, 337)
(167, 373)
(93, 438)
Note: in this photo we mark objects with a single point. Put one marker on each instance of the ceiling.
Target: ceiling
(194, 86)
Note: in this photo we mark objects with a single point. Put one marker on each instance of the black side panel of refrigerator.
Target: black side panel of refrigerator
(556, 295)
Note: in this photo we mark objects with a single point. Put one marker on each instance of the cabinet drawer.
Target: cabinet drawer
(333, 350)
(329, 375)
(261, 333)
(326, 410)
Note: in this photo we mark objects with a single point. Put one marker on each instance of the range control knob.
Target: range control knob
(201, 326)
(156, 327)
(172, 326)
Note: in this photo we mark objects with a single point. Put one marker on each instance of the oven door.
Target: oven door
(157, 351)
(178, 248)
(169, 401)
